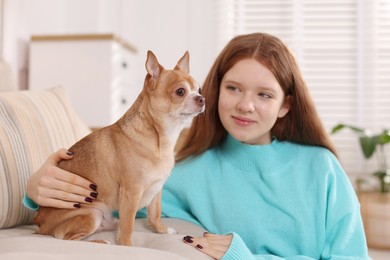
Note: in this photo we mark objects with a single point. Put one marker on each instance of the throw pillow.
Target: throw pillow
(33, 124)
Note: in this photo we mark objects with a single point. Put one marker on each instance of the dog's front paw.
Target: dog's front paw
(124, 242)
(171, 231)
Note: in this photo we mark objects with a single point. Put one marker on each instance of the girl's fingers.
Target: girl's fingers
(213, 245)
(223, 240)
(52, 186)
(50, 202)
(68, 197)
(56, 157)
(59, 179)
(75, 179)
(68, 191)
(60, 174)
(63, 175)
(68, 187)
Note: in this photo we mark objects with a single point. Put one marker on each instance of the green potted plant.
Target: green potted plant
(373, 144)
(375, 206)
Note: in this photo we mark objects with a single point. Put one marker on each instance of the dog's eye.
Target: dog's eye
(180, 92)
(200, 91)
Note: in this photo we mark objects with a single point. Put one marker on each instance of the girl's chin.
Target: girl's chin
(246, 139)
(242, 138)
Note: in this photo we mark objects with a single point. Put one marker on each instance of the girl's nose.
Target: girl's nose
(245, 104)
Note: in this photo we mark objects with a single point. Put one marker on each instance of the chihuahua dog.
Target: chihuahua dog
(131, 159)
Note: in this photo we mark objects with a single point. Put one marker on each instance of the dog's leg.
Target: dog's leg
(78, 227)
(154, 216)
(128, 205)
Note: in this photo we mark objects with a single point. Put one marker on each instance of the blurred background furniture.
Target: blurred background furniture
(97, 71)
(6, 81)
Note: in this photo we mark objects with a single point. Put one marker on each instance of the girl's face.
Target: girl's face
(250, 101)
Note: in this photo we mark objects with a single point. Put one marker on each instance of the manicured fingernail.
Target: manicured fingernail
(69, 153)
(188, 239)
(199, 246)
(94, 194)
(93, 186)
(77, 205)
(88, 199)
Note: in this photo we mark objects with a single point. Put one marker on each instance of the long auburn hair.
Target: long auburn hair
(300, 125)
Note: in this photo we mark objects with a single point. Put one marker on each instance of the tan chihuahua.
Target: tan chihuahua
(131, 159)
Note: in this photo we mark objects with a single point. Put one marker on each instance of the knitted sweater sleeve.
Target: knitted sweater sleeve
(347, 236)
(238, 250)
(29, 203)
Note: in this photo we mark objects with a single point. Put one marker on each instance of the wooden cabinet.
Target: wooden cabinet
(97, 71)
(375, 210)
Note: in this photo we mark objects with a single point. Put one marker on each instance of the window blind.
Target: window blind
(343, 49)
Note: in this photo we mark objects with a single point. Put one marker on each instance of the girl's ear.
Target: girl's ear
(285, 107)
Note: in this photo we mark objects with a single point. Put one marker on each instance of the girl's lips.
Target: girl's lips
(242, 121)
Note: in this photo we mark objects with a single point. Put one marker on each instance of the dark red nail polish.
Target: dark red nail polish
(93, 187)
(188, 239)
(199, 246)
(88, 199)
(94, 194)
(69, 153)
(77, 205)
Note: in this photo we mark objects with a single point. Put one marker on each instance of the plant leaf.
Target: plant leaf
(368, 144)
(338, 127)
(385, 137)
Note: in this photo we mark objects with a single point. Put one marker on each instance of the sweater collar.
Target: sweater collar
(264, 158)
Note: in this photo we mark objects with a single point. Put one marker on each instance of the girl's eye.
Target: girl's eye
(180, 92)
(232, 88)
(264, 95)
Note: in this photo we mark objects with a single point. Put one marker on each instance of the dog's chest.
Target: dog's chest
(152, 187)
(149, 194)
(154, 180)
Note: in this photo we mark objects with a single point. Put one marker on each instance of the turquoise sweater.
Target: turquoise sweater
(280, 201)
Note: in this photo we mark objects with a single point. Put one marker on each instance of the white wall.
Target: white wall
(167, 27)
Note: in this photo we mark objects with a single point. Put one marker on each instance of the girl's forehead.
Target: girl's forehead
(250, 68)
(249, 73)
(249, 62)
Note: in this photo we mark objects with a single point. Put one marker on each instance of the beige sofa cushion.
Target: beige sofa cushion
(21, 243)
(33, 124)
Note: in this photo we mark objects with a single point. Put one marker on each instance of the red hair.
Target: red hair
(300, 125)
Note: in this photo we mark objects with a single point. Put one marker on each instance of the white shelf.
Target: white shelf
(96, 70)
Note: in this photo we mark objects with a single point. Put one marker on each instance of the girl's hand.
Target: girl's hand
(213, 245)
(51, 186)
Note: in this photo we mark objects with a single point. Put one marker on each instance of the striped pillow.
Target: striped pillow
(33, 124)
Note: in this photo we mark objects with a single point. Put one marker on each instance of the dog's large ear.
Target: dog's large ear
(184, 63)
(152, 65)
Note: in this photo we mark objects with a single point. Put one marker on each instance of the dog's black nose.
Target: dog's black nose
(200, 100)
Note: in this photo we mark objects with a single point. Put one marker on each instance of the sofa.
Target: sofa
(34, 124)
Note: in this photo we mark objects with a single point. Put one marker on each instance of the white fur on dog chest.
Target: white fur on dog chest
(150, 193)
